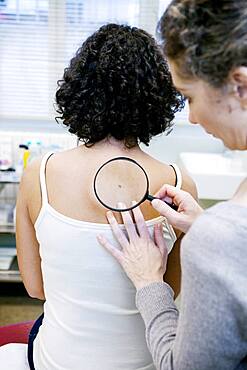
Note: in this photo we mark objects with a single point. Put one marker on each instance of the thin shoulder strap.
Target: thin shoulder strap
(42, 179)
(178, 174)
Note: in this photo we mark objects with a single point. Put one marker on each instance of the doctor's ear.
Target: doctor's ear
(238, 79)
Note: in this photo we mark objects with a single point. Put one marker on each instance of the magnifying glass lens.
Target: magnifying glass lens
(120, 180)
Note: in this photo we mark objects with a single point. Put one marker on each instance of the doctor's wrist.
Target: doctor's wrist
(146, 282)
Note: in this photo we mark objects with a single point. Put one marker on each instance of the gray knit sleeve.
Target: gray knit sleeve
(210, 330)
(156, 305)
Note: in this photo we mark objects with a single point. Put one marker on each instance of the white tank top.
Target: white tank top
(90, 318)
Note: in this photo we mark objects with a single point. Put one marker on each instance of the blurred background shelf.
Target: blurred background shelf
(12, 274)
(9, 272)
(7, 228)
(9, 177)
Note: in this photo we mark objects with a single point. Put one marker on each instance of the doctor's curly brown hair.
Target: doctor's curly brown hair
(206, 38)
(117, 85)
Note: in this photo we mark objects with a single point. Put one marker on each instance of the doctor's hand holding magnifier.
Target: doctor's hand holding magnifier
(186, 211)
(129, 181)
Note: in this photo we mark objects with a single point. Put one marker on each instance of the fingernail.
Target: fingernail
(109, 214)
(155, 202)
(167, 200)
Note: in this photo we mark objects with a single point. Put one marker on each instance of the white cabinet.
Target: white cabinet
(216, 175)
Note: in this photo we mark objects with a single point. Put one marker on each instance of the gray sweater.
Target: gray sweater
(210, 331)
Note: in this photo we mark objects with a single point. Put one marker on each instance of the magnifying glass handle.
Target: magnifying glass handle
(172, 205)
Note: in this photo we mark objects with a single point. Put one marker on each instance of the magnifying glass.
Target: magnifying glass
(120, 181)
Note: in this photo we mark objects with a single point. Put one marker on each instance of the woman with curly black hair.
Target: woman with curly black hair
(115, 94)
(118, 86)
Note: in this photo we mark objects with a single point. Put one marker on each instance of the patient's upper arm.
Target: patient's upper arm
(26, 243)
(173, 271)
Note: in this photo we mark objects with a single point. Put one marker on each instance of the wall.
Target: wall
(183, 138)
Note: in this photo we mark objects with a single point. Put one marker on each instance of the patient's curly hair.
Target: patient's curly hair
(206, 38)
(118, 85)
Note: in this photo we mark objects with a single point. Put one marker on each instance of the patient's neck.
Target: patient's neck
(111, 144)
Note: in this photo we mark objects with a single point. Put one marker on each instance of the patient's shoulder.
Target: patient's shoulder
(188, 184)
(30, 176)
(29, 189)
(166, 173)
